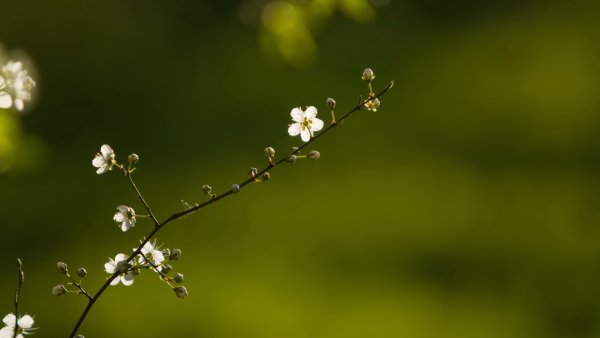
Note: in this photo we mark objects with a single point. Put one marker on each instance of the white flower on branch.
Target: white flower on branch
(125, 216)
(373, 104)
(153, 255)
(15, 85)
(306, 123)
(25, 324)
(113, 266)
(104, 160)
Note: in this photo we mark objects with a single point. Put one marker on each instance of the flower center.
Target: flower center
(306, 123)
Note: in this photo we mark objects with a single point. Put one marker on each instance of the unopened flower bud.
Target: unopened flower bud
(207, 189)
(79, 336)
(81, 272)
(62, 268)
(180, 291)
(368, 74)
(330, 103)
(266, 176)
(133, 158)
(270, 152)
(175, 254)
(135, 271)
(291, 159)
(178, 278)
(313, 155)
(252, 171)
(166, 252)
(123, 266)
(235, 188)
(59, 290)
(295, 149)
(167, 268)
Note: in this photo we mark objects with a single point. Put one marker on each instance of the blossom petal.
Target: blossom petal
(119, 217)
(310, 112)
(110, 267)
(9, 320)
(98, 161)
(294, 129)
(125, 226)
(157, 256)
(106, 150)
(305, 135)
(317, 124)
(19, 104)
(297, 114)
(115, 281)
(120, 257)
(123, 208)
(26, 322)
(127, 279)
(7, 331)
(5, 100)
(148, 247)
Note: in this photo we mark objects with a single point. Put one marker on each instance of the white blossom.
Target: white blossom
(373, 104)
(306, 123)
(104, 160)
(152, 254)
(15, 85)
(25, 324)
(125, 216)
(113, 265)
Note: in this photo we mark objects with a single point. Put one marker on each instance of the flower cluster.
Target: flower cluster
(15, 85)
(151, 257)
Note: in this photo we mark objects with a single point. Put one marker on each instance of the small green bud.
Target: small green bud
(166, 252)
(235, 188)
(167, 268)
(178, 278)
(80, 336)
(180, 291)
(269, 152)
(81, 272)
(266, 176)
(135, 271)
(313, 155)
(295, 149)
(62, 268)
(133, 158)
(368, 74)
(175, 254)
(331, 103)
(252, 171)
(291, 159)
(59, 290)
(207, 189)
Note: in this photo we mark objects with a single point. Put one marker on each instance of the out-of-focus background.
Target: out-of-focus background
(466, 206)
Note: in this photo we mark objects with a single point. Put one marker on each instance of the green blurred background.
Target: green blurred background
(467, 206)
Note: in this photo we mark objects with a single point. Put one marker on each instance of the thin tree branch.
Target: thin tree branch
(21, 279)
(160, 225)
(139, 195)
